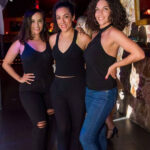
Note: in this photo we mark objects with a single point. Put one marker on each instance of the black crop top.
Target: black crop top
(39, 63)
(97, 64)
(71, 62)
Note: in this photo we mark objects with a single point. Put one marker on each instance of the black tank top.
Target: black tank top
(97, 64)
(71, 62)
(39, 63)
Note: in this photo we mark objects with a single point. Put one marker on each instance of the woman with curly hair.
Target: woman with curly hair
(109, 18)
(81, 26)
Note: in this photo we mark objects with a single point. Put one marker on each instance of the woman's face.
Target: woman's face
(36, 23)
(64, 19)
(102, 13)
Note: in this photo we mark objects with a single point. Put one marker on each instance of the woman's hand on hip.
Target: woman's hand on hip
(27, 78)
(112, 70)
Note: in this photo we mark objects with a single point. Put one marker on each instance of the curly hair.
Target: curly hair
(25, 32)
(65, 4)
(118, 16)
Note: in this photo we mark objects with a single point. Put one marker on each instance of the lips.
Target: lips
(100, 19)
(63, 26)
(37, 29)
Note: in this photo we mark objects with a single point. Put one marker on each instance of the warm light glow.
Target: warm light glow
(51, 27)
(121, 94)
(147, 12)
(134, 81)
(129, 111)
(118, 106)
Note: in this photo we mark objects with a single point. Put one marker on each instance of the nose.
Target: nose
(36, 24)
(99, 12)
(62, 20)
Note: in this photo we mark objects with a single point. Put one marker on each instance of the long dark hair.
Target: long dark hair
(25, 31)
(118, 16)
(65, 4)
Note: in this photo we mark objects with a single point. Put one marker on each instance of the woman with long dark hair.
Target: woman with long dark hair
(35, 52)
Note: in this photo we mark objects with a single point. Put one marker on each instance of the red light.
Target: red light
(37, 4)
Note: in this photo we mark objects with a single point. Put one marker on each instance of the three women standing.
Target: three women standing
(68, 87)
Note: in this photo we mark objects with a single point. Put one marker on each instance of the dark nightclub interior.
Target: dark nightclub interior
(132, 112)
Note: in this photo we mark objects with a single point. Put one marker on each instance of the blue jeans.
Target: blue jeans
(98, 106)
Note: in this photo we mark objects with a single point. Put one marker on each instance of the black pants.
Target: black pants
(68, 96)
(36, 105)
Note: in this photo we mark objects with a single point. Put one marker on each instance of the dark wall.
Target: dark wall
(18, 7)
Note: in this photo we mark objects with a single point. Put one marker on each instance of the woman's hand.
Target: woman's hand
(112, 70)
(80, 30)
(27, 78)
(51, 111)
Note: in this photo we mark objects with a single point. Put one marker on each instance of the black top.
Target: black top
(97, 64)
(39, 63)
(71, 62)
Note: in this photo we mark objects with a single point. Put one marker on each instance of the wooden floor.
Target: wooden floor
(15, 133)
(131, 137)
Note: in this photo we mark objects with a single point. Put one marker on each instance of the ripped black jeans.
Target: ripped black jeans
(36, 105)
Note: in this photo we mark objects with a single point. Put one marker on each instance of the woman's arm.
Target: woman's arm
(135, 52)
(8, 60)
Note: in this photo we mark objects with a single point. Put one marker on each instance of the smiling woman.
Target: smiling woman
(36, 24)
(35, 53)
(68, 88)
(100, 58)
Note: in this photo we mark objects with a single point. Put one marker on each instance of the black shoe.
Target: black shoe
(112, 132)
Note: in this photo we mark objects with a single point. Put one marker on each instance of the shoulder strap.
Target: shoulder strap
(57, 38)
(75, 36)
(48, 46)
(103, 29)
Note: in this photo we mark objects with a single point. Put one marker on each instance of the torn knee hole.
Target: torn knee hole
(41, 124)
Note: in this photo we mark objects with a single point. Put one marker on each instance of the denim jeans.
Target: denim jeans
(98, 106)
